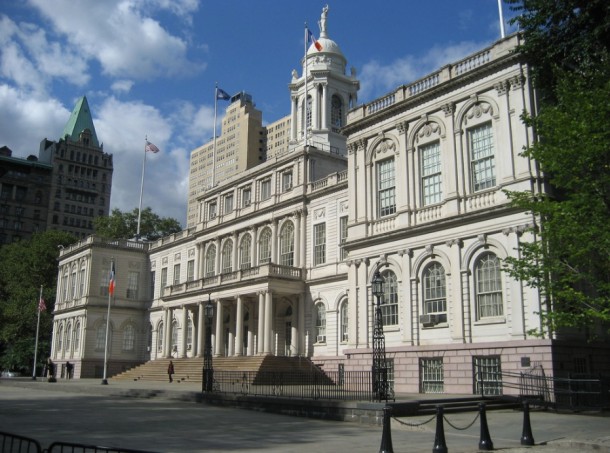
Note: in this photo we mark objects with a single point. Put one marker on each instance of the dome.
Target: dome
(328, 46)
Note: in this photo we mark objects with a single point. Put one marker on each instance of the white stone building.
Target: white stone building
(413, 183)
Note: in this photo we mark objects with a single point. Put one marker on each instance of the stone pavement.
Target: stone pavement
(163, 417)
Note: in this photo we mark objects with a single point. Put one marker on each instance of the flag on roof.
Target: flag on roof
(41, 305)
(222, 94)
(151, 147)
(111, 280)
(311, 38)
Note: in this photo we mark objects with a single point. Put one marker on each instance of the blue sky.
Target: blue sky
(148, 68)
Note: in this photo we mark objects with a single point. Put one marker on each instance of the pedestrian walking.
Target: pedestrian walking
(170, 371)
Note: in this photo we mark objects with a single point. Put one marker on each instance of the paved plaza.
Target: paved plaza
(162, 417)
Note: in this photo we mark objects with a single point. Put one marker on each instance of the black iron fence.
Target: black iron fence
(339, 385)
(12, 443)
(575, 392)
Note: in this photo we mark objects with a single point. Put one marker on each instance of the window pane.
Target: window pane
(319, 238)
(389, 301)
(489, 287)
(434, 291)
(431, 173)
(482, 157)
(386, 187)
(287, 245)
(264, 252)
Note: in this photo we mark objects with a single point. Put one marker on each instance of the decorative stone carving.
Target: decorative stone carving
(501, 88)
(448, 108)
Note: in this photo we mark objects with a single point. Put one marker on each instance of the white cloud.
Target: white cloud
(26, 119)
(125, 125)
(120, 36)
(122, 86)
(29, 59)
(377, 79)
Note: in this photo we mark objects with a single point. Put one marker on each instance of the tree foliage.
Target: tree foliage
(124, 225)
(25, 266)
(567, 44)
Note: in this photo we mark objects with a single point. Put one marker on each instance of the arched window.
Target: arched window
(68, 337)
(264, 247)
(434, 293)
(160, 336)
(389, 301)
(129, 338)
(227, 253)
(320, 323)
(287, 245)
(343, 322)
(81, 281)
(308, 114)
(210, 261)
(488, 286)
(245, 252)
(100, 338)
(60, 339)
(336, 112)
(77, 336)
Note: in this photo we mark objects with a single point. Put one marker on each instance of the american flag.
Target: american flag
(151, 147)
(41, 305)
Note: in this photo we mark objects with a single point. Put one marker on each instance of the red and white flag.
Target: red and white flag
(151, 147)
(41, 305)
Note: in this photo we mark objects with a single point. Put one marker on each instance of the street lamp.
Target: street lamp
(207, 377)
(380, 372)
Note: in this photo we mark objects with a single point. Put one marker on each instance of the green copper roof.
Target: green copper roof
(79, 121)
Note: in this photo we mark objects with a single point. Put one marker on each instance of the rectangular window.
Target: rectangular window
(81, 282)
(212, 210)
(482, 160)
(246, 197)
(163, 278)
(343, 236)
(287, 181)
(319, 241)
(190, 271)
(176, 274)
(265, 189)
(104, 280)
(487, 372)
(431, 173)
(133, 280)
(431, 374)
(228, 204)
(386, 187)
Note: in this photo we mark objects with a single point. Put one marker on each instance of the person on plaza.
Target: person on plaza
(50, 370)
(170, 371)
(69, 368)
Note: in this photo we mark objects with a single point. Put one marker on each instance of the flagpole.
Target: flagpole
(104, 379)
(305, 103)
(37, 330)
(141, 191)
(214, 152)
(501, 19)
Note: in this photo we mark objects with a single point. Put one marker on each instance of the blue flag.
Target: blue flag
(222, 95)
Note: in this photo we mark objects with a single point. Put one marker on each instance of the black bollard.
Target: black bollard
(485, 442)
(527, 438)
(386, 436)
(439, 438)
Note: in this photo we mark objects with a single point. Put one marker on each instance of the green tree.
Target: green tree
(25, 266)
(124, 225)
(567, 45)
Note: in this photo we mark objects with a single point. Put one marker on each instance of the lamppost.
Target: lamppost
(380, 372)
(207, 377)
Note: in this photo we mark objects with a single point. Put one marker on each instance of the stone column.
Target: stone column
(297, 239)
(300, 339)
(261, 321)
(218, 350)
(200, 329)
(168, 333)
(274, 241)
(324, 107)
(185, 320)
(239, 329)
(268, 340)
(254, 252)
